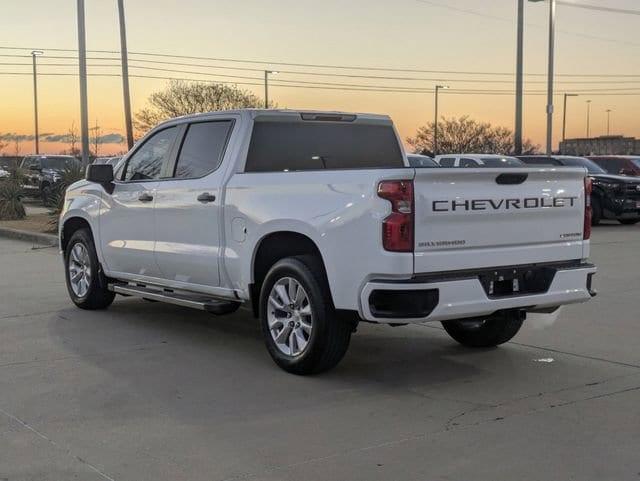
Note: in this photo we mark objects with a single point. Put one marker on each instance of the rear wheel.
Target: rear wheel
(86, 283)
(628, 221)
(489, 332)
(302, 332)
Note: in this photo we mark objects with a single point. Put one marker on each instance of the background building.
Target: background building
(604, 145)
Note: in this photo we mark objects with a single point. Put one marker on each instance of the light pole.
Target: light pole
(34, 54)
(82, 58)
(564, 116)
(435, 123)
(609, 121)
(266, 86)
(125, 75)
(588, 119)
(517, 138)
(550, 72)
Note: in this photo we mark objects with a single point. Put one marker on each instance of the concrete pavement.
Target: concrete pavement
(145, 391)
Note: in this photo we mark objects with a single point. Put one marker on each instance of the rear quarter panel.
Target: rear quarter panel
(338, 210)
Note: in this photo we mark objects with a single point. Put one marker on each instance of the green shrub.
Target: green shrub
(71, 174)
(11, 207)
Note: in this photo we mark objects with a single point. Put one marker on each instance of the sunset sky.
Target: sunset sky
(438, 35)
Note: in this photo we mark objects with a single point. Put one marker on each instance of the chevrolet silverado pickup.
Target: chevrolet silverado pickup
(316, 222)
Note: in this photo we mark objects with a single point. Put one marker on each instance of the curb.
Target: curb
(35, 237)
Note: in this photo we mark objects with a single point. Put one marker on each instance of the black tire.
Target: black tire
(596, 210)
(329, 337)
(628, 221)
(98, 296)
(488, 332)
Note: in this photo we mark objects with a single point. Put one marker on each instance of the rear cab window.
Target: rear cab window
(294, 144)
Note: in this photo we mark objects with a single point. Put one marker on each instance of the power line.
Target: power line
(603, 92)
(413, 79)
(317, 66)
(624, 11)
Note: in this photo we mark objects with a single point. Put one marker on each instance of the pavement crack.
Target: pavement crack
(56, 445)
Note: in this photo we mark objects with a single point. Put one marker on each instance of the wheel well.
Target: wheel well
(69, 228)
(271, 249)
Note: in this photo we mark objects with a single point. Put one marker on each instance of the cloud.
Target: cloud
(110, 138)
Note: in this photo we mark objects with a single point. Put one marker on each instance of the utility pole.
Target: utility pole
(34, 54)
(435, 123)
(266, 86)
(125, 75)
(588, 119)
(550, 73)
(564, 116)
(609, 121)
(82, 57)
(517, 140)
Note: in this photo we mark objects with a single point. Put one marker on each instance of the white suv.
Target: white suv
(478, 160)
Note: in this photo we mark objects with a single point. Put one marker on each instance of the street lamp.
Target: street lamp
(609, 121)
(564, 116)
(266, 86)
(34, 54)
(435, 124)
(550, 71)
(588, 119)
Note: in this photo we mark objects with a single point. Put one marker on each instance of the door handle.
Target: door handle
(206, 197)
(145, 197)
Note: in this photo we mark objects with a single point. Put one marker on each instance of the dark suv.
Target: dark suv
(614, 196)
(619, 164)
(43, 172)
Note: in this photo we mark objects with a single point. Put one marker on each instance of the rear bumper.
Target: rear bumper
(464, 297)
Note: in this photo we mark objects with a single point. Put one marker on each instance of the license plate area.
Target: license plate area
(517, 281)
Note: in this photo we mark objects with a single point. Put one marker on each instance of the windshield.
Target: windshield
(501, 162)
(56, 163)
(591, 166)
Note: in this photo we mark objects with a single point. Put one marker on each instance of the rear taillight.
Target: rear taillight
(588, 188)
(397, 227)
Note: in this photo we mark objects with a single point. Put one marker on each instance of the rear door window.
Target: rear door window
(202, 149)
(278, 146)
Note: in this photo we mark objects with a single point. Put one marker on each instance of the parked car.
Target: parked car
(614, 196)
(315, 221)
(619, 164)
(418, 160)
(477, 160)
(43, 172)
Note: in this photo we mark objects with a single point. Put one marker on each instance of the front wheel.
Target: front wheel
(86, 283)
(489, 332)
(628, 221)
(302, 332)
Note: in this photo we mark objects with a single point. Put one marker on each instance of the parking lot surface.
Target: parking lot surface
(146, 391)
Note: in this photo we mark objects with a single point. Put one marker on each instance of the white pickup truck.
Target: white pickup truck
(315, 221)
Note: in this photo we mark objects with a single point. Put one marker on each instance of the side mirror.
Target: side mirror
(100, 174)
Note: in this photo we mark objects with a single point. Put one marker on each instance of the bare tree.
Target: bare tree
(183, 98)
(95, 138)
(2, 145)
(72, 135)
(17, 146)
(467, 135)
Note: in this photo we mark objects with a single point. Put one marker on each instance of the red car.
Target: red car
(619, 164)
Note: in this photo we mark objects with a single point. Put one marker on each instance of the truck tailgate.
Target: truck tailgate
(476, 218)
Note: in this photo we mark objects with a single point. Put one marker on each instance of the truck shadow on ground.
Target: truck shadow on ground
(150, 346)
